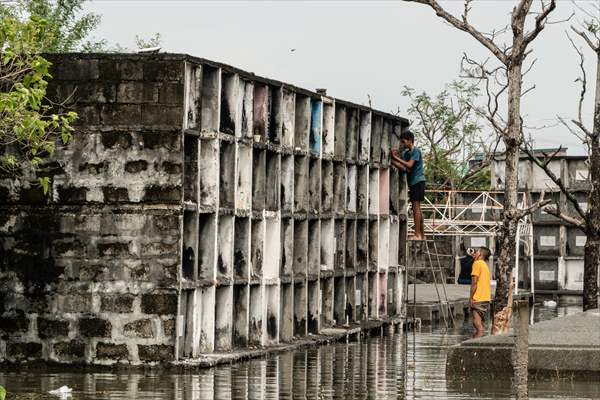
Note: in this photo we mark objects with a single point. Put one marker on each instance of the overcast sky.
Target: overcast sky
(355, 48)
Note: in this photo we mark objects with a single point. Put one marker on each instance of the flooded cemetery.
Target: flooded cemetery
(214, 234)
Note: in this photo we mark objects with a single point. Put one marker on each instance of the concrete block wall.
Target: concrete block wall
(558, 248)
(90, 273)
(199, 209)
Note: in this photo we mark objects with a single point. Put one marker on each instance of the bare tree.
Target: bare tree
(588, 221)
(512, 66)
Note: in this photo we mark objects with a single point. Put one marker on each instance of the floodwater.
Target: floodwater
(373, 368)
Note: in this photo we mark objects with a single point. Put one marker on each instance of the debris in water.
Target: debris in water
(549, 303)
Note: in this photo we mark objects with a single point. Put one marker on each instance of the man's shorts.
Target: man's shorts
(416, 192)
(481, 308)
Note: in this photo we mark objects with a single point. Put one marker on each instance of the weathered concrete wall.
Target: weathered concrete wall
(89, 273)
(199, 208)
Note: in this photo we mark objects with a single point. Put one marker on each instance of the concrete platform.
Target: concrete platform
(566, 347)
(428, 308)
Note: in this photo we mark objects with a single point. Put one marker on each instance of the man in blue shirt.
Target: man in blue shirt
(412, 162)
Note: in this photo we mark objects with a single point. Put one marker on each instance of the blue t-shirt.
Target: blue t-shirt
(415, 174)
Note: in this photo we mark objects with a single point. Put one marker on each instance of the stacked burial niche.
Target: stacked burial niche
(277, 206)
(313, 208)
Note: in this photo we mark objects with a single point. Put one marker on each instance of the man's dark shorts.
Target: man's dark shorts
(416, 192)
(482, 308)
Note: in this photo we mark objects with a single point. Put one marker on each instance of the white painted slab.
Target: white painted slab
(580, 241)
(548, 241)
(478, 241)
(546, 275)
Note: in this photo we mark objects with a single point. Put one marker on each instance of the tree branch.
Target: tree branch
(540, 22)
(557, 181)
(464, 26)
(555, 210)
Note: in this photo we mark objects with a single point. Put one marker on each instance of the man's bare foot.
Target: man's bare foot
(415, 237)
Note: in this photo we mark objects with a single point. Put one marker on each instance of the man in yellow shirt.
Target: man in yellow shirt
(481, 289)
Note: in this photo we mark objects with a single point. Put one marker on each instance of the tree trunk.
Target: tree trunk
(591, 261)
(508, 231)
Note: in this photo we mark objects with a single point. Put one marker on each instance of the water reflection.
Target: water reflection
(373, 368)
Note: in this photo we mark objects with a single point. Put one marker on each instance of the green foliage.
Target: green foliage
(2, 393)
(68, 27)
(153, 41)
(28, 126)
(448, 129)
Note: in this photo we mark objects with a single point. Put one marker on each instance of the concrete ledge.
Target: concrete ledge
(327, 336)
(567, 347)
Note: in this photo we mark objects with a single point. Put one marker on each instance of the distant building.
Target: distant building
(558, 247)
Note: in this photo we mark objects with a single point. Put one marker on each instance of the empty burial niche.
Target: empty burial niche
(351, 188)
(187, 302)
(376, 133)
(300, 308)
(382, 293)
(352, 127)
(384, 243)
(372, 295)
(327, 191)
(350, 297)
(340, 130)
(339, 301)
(362, 189)
(340, 244)
(275, 114)
(190, 242)
(316, 125)
(300, 241)
(288, 120)
(385, 142)
(241, 249)
(287, 248)
(259, 179)
(373, 191)
(240, 315)
(261, 111)
(327, 244)
(243, 193)
(257, 248)
(227, 175)
(247, 100)
(229, 102)
(255, 325)
(328, 127)
(272, 181)
(373, 244)
(350, 246)
(312, 318)
(193, 85)
(314, 185)
(314, 251)
(362, 244)
(327, 290)
(209, 173)
(394, 241)
(302, 122)
(225, 248)
(339, 187)
(210, 104)
(361, 300)
(190, 168)
(394, 191)
(286, 190)
(206, 343)
(223, 318)
(272, 323)
(286, 307)
(207, 243)
(272, 248)
(364, 135)
(384, 191)
(300, 183)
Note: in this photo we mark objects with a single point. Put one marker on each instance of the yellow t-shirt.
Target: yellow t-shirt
(484, 288)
